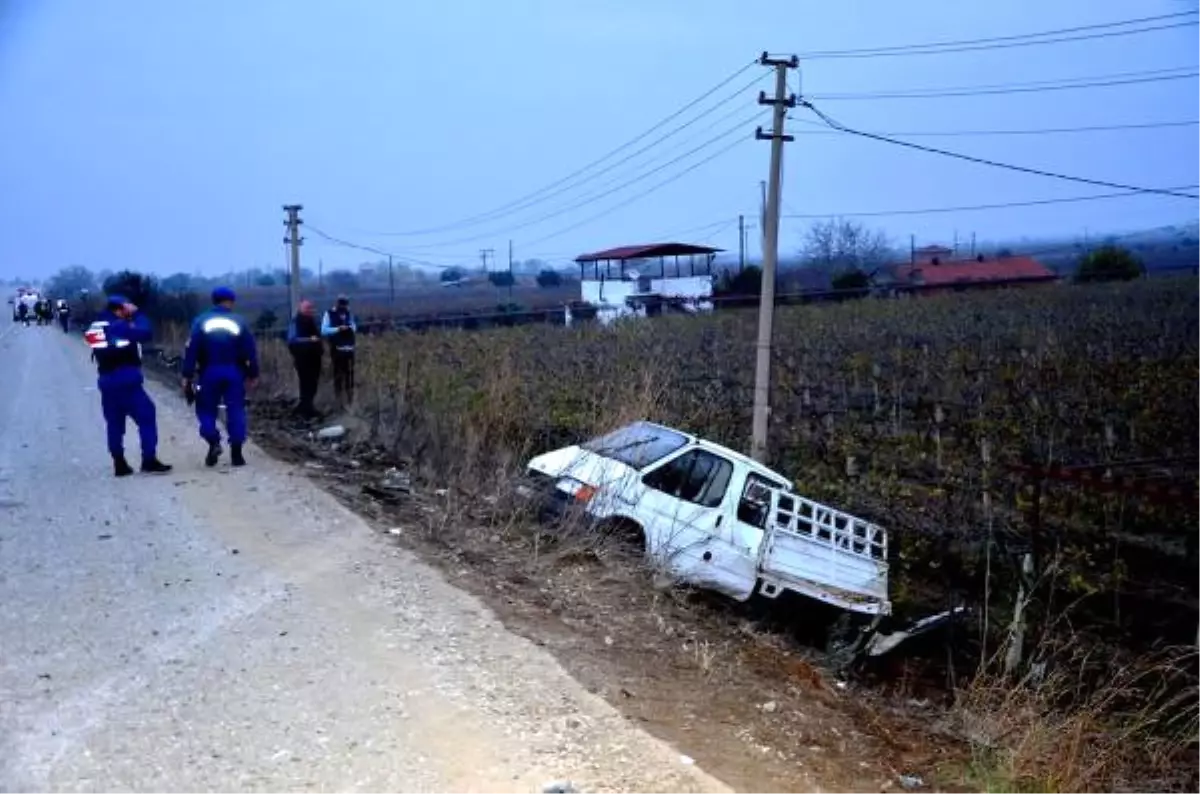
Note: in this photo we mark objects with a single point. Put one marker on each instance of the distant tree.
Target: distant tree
(266, 320)
(852, 282)
(265, 280)
(1004, 253)
(1109, 263)
(341, 280)
(452, 274)
(70, 281)
(839, 245)
(501, 278)
(140, 288)
(745, 282)
(177, 283)
(547, 279)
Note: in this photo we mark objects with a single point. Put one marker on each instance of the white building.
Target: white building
(644, 280)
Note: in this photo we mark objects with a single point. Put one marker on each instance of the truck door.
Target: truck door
(684, 510)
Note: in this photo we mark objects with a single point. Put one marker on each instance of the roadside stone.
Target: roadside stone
(769, 707)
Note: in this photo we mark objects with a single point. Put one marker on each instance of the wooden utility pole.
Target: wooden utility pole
(741, 243)
(766, 306)
(294, 240)
(511, 277)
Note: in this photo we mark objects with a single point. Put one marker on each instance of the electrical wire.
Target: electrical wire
(619, 181)
(740, 127)
(993, 163)
(509, 207)
(373, 250)
(980, 133)
(1127, 78)
(974, 207)
(1006, 42)
(653, 188)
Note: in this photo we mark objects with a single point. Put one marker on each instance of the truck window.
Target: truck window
(755, 501)
(697, 476)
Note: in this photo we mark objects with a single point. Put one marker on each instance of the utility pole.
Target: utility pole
(511, 278)
(762, 215)
(741, 243)
(320, 274)
(972, 245)
(766, 307)
(391, 287)
(294, 240)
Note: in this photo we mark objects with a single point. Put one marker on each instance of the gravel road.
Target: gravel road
(219, 629)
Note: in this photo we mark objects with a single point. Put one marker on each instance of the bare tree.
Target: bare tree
(838, 245)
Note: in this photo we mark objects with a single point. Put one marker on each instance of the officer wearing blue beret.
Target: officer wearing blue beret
(221, 359)
(116, 337)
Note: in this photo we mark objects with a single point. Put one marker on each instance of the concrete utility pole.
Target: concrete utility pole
(294, 240)
(741, 243)
(391, 286)
(762, 215)
(766, 306)
(511, 277)
(484, 253)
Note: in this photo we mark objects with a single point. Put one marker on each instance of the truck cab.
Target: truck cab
(716, 519)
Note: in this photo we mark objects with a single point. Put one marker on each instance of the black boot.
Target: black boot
(235, 455)
(153, 465)
(214, 453)
(121, 467)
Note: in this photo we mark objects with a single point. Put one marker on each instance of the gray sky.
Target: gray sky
(165, 135)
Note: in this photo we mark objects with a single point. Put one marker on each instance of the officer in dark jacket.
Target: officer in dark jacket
(115, 338)
(222, 353)
(64, 315)
(304, 342)
(340, 328)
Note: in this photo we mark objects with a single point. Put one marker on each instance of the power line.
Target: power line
(1042, 131)
(505, 208)
(974, 207)
(1006, 42)
(643, 194)
(1128, 78)
(372, 250)
(995, 164)
(590, 199)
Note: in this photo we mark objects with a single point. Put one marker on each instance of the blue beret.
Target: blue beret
(221, 294)
(116, 300)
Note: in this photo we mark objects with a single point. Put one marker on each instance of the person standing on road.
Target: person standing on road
(340, 328)
(304, 342)
(64, 315)
(115, 338)
(222, 353)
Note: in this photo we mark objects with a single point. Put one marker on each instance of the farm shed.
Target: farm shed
(645, 280)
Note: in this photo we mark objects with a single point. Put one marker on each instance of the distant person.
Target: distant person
(116, 337)
(64, 315)
(340, 328)
(304, 342)
(222, 359)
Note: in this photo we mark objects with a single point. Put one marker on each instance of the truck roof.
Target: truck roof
(720, 449)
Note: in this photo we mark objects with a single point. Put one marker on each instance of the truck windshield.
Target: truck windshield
(637, 445)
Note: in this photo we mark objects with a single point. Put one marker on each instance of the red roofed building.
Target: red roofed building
(937, 275)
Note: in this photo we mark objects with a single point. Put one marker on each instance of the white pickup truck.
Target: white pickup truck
(716, 519)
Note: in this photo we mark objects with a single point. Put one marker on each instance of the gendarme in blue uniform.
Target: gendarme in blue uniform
(115, 338)
(221, 355)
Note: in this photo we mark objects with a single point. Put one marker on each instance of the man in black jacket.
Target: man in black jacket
(340, 328)
(304, 342)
